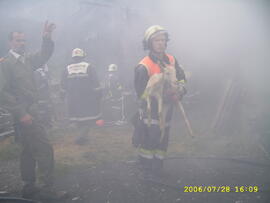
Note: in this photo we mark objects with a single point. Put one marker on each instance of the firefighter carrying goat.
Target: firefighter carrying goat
(159, 83)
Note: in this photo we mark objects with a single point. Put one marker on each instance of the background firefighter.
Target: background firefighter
(45, 106)
(113, 89)
(83, 94)
(147, 138)
(113, 86)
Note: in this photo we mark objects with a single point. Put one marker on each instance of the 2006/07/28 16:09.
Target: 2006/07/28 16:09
(221, 189)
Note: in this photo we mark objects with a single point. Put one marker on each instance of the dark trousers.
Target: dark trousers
(84, 127)
(152, 147)
(36, 152)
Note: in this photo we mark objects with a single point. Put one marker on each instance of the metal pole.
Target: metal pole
(185, 118)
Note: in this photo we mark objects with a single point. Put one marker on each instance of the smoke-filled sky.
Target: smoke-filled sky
(213, 39)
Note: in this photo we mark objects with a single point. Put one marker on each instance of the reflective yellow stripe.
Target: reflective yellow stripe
(153, 121)
(181, 81)
(145, 153)
(159, 154)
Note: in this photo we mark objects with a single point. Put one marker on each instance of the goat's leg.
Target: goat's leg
(165, 109)
(160, 115)
(148, 100)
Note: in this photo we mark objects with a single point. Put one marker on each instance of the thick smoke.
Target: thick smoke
(216, 41)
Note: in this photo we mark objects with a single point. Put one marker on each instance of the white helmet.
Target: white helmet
(77, 52)
(112, 68)
(150, 32)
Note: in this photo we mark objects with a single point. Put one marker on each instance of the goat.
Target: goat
(156, 85)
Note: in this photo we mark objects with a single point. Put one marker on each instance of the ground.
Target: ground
(105, 168)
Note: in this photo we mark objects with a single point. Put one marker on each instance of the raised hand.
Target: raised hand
(48, 29)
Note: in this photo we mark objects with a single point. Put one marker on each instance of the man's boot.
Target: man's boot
(157, 167)
(29, 190)
(146, 165)
(48, 193)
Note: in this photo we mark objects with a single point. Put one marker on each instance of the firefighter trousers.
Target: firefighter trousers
(153, 145)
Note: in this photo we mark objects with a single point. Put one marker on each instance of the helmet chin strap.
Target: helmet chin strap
(158, 55)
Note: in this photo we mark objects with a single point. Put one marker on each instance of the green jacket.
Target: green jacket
(18, 92)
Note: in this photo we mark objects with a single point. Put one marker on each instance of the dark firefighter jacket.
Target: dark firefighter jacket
(140, 82)
(83, 92)
(142, 77)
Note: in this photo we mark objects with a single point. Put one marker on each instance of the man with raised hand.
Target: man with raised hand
(18, 94)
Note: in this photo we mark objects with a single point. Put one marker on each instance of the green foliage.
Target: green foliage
(61, 169)
(9, 151)
(265, 132)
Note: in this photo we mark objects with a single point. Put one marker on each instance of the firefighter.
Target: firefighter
(18, 94)
(148, 138)
(44, 96)
(83, 93)
(112, 95)
(112, 83)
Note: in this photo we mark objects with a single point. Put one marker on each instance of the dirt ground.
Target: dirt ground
(104, 169)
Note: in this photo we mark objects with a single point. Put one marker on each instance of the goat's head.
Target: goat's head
(170, 75)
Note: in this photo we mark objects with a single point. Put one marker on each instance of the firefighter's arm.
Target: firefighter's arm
(180, 74)
(140, 80)
(181, 79)
(93, 77)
